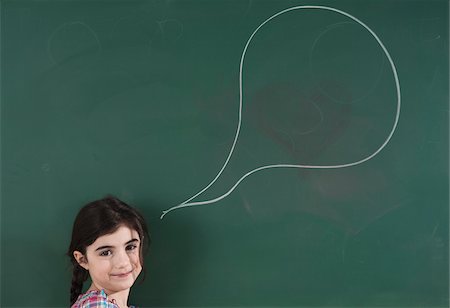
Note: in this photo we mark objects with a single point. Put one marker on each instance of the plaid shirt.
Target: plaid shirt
(95, 299)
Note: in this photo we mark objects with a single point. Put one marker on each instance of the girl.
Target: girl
(108, 242)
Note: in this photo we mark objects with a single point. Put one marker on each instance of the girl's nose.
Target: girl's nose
(122, 259)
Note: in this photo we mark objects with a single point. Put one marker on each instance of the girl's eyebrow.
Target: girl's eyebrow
(104, 247)
(109, 247)
(131, 241)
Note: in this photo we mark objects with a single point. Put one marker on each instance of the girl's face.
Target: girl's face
(113, 260)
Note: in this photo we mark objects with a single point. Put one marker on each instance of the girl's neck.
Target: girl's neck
(119, 298)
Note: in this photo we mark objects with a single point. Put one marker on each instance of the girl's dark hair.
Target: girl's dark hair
(96, 219)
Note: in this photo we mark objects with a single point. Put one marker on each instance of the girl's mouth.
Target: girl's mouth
(122, 275)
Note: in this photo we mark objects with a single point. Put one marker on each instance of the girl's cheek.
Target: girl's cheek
(105, 263)
(137, 262)
(135, 258)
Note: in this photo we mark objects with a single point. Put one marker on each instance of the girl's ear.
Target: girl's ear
(81, 259)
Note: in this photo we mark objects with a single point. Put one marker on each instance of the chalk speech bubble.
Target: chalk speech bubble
(188, 203)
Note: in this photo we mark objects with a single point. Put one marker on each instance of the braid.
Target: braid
(78, 277)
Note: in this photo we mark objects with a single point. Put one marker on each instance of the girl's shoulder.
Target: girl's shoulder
(94, 299)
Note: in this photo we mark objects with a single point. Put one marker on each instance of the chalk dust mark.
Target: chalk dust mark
(131, 28)
(72, 41)
(188, 203)
(434, 79)
(314, 127)
(45, 167)
(247, 206)
(249, 152)
(321, 87)
(171, 30)
(300, 131)
(344, 247)
(249, 6)
(291, 143)
(430, 29)
(288, 129)
(436, 227)
(134, 30)
(437, 37)
(115, 25)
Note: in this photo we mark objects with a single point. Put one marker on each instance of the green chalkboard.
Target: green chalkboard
(152, 101)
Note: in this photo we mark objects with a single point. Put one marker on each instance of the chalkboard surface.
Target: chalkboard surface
(152, 101)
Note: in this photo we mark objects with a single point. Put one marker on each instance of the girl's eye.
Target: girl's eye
(105, 253)
(131, 247)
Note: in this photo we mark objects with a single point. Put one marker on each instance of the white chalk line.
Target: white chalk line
(187, 202)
